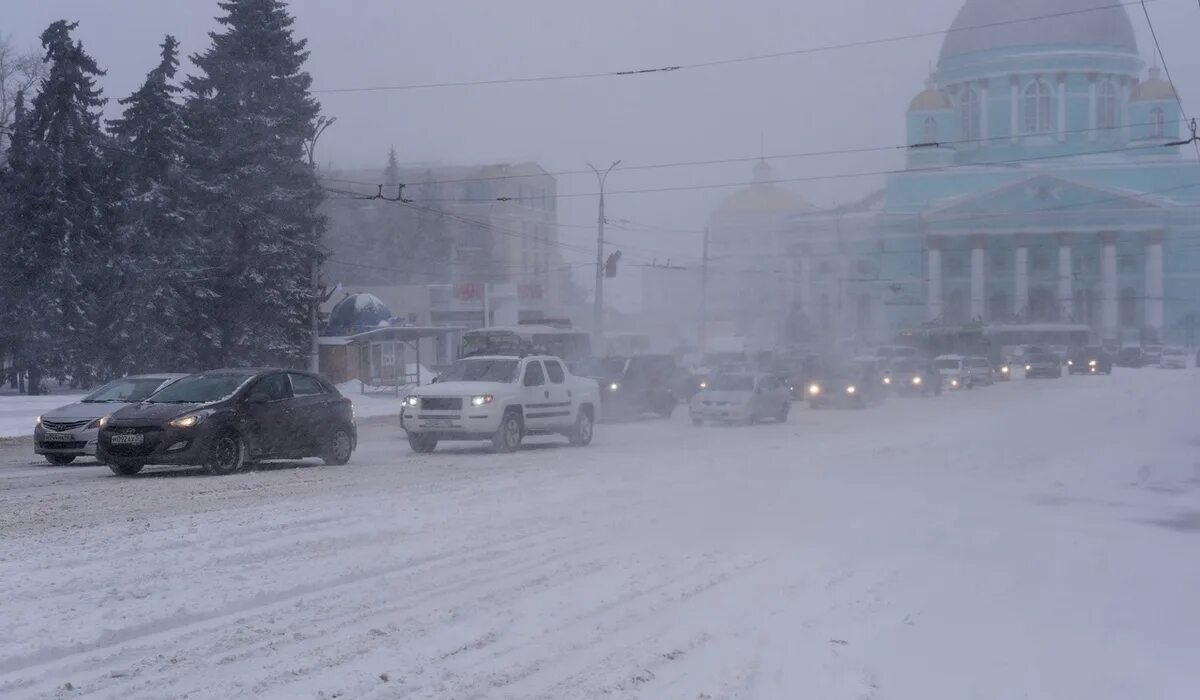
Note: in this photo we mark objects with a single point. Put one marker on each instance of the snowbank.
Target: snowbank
(17, 413)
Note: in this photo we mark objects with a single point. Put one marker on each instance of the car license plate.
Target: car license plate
(439, 423)
(127, 439)
(58, 437)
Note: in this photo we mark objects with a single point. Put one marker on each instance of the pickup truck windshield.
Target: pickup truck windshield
(732, 382)
(498, 371)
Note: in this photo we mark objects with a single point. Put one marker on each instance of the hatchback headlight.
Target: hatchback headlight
(887, 380)
(98, 423)
(484, 400)
(412, 401)
(191, 420)
(37, 421)
(851, 389)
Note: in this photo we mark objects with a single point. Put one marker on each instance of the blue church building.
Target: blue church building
(1041, 186)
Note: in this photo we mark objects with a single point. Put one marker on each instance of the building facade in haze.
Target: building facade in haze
(1039, 187)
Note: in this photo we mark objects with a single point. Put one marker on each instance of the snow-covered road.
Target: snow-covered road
(1033, 540)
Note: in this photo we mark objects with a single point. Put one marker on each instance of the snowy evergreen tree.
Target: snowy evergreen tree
(148, 324)
(391, 174)
(57, 217)
(249, 113)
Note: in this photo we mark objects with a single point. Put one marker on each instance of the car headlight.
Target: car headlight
(1092, 363)
(953, 382)
(37, 421)
(887, 380)
(916, 380)
(1028, 367)
(851, 389)
(98, 423)
(614, 386)
(412, 401)
(703, 385)
(1004, 369)
(1070, 363)
(814, 389)
(191, 420)
(484, 400)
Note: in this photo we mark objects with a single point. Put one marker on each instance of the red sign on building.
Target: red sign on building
(468, 291)
(529, 292)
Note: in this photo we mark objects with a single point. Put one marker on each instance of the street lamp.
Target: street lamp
(598, 323)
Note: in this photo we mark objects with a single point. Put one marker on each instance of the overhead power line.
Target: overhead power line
(1167, 68)
(740, 159)
(647, 70)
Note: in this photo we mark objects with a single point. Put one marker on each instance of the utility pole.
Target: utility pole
(702, 334)
(598, 321)
(314, 354)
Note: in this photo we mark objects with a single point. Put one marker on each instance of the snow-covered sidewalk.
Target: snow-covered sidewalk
(1031, 540)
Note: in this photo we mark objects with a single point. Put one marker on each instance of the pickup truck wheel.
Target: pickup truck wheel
(60, 460)
(125, 467)
(422, 444)
(581, 434)
(508, 437)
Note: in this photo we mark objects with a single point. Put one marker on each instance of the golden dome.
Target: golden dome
(929, 100)
(763, 196)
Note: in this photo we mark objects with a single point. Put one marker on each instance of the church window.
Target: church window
(1106, 105)
(1158, 123)
(931, 130)
(1038, 107)
(969, 103)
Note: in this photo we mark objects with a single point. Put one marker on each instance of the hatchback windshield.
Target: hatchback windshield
(125, 391)
(498, 371)
(202, 388)
(732, 382)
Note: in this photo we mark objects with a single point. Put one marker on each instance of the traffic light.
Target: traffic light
(610, 265)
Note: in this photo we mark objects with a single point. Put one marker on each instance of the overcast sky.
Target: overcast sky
(835, 100)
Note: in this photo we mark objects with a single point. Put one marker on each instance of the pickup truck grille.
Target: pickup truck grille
(440, 404)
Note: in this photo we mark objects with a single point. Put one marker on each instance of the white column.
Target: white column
(1092, 135)
(933, 288)
(806, 284)
(977, 300)
(1066, 287)
(1062, 107)
(1109, 319)
(984, 110)
(1155, 283)
(1014, 99)
(1021, 280)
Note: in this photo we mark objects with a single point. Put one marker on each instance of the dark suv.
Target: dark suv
(1090, 360)
(227, 419)
(635, 385)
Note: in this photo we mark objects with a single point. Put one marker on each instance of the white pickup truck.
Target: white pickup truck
(502, 399)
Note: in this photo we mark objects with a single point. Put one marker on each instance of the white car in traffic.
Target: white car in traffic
(1173, 357)
(501, 399)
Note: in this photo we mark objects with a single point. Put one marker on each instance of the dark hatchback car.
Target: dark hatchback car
(1090, 360)
(914, 377)
(850, 385)
(1131, 356)
(227, 419)
(635, 385)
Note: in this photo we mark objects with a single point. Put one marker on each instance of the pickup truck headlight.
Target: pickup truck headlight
(1004, 369)
(412, 401)
(484, 400)
(1092, 363)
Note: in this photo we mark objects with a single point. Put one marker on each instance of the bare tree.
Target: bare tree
(19, 72)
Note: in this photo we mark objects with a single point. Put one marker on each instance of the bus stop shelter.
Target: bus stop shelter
(378, 357)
